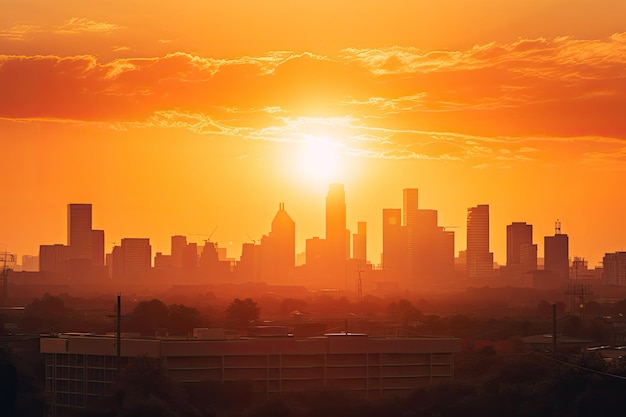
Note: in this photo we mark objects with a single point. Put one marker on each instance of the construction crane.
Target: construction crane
(6, 261)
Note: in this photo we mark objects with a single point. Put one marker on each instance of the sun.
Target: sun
(320, 159)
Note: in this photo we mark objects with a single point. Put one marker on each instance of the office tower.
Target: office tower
(79, 237)
(190, 257)
(614, 268)
(517, 234)
(316, 253)
(479, 259)
(132, 260)
(249, 266)
(528, 257)
(410, 222)
(359, 242)
(97, 247)
(53, 259)
(394, 245)
(283, 235)
(278, 249)
(179, 243)
(556, 254)
(336, 230)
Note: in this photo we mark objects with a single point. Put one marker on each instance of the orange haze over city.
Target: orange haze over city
(199, 118)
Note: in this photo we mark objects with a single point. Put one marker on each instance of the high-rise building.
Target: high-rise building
(478, 258)
(517, 234)
(132, 260)
(278, 250)
(179, 243)
(411, 223)
(336, 241)
(359, 242)
(614, 268)
(79, 237)
(53, 258)
(97, 247)
(556, 254)
(394, 246)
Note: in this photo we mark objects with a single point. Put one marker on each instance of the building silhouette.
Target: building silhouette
(479, 260)
(517, 234)
(614, 268)
(410, 207)
(53, 259)
(521, 253)
(395, 242)
(131, 261)
(79, 236)
(359, 242)
(556, 254)
(337, 236)
(278, 249)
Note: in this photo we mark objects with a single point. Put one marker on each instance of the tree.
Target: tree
(45, 313)
(182, 318)
(242, 313)
(147, 316)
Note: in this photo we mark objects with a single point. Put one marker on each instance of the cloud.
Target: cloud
(72, 26)
(512, 102)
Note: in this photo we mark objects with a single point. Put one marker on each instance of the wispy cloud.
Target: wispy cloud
(72, 26)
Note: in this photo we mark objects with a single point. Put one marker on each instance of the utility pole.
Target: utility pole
(554, 330)
(119, 334)
(5, 258)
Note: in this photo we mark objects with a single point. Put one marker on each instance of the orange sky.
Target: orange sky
(177, 118)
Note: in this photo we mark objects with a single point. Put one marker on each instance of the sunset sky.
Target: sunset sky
(180, 117)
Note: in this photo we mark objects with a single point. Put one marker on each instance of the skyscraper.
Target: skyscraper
(556, 254)
(479, 259)
(359, 242)
(410, 222)
(614, 268)
(279, 249)
(517, 234)
(336, 241)
(79, 236)
(394, 246)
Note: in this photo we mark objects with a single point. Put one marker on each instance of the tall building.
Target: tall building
(132, 260)
(336, 239)
(478, 258)
(359, 242)
(79, 237)
(517, 234)
(97, 247)
(53, 258)
(395, 253)
(179, 243)
(556, 254)
(411, 223)
(614, 268)
(278, 250)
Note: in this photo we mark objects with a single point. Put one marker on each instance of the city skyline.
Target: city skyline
(212, 119)
(397, 227)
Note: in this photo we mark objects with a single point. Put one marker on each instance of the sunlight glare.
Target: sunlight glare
(319, 159)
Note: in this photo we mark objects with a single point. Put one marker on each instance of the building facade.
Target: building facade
(479, 260)
(81, 368)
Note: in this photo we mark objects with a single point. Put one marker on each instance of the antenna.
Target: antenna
(557, 227)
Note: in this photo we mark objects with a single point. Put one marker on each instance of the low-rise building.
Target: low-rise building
(81, 367)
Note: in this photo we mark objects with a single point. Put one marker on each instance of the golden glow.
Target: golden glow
(319, 159)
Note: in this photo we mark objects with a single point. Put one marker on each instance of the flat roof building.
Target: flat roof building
(79, 368)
